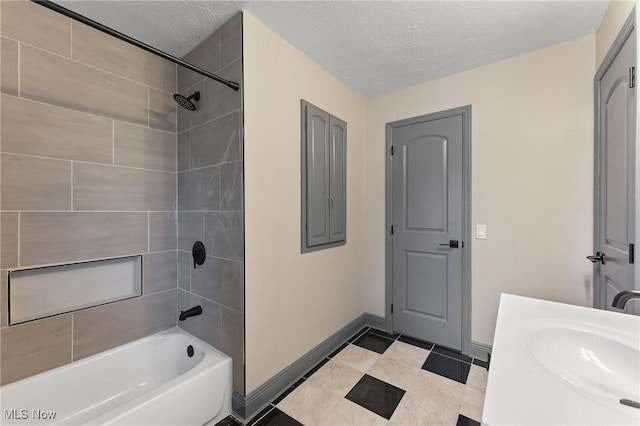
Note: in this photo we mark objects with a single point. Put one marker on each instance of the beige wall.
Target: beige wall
(293, 301)
(88, 171)
(617, 13)
(532, 142)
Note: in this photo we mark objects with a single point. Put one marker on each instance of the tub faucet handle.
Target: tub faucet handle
(199, 254)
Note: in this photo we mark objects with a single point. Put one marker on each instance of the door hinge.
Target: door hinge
(632, 253)
(632, 77)
(391, 149)
(391, 229)
(392, 309)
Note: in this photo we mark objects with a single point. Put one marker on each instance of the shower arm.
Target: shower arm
(98, 26)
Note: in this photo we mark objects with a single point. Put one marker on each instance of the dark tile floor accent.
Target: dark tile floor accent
(376, 395)
(447, 367)
(481, 363)
(373, 342)
(229, 421)
(384, 333)
(260, 415)
(451, 354)
(290, 389)
(466, 421)
(415, 342)
(316, 368)
(358, 334)
(276, 417)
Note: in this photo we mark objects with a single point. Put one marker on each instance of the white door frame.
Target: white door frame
(627, 28)
(465, 111)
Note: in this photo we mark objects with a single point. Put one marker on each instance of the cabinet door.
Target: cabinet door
(317, 168)
(337, 179)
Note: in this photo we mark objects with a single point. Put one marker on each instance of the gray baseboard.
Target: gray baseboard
(480, 351)
(247, 407)
(374, 321)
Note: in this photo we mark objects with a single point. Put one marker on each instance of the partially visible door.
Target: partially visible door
(615, 187)
(427, 217)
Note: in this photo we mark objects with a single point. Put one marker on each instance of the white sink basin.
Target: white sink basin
(557, 364)
(601, 363)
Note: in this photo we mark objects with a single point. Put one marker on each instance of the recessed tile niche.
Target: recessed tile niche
(42, 292)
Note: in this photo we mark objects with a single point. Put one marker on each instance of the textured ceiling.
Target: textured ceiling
(372, 46)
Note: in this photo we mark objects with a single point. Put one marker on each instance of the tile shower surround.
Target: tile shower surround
(210, 196)
(88, 171)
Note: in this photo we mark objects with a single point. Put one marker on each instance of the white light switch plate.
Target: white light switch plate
(481, 232)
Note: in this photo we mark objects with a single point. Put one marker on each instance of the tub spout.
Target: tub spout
(196, 310)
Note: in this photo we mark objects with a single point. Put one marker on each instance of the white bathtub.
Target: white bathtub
(151, 381)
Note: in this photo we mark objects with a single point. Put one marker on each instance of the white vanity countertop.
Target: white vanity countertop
(558, 364)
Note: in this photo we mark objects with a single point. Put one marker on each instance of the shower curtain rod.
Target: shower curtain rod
(98, 26)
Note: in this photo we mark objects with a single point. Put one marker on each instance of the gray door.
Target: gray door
(427, 218)
(615, 171)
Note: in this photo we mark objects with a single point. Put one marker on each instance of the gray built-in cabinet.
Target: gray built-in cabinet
(324, 179)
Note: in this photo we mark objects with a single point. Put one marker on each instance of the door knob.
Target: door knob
(452, 244)
(599, 257)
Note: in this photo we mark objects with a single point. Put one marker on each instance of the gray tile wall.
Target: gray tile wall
(210, 197)
(87, 171)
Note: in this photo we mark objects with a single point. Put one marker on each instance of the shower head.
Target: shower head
(185, 102)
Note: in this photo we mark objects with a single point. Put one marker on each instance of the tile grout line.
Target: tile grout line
(19, 71)
(223, 258)
(97, 164)
(393, 339)
(19, 241)
(188, 152)
(113, 142)
(199, 211)
(447, 356)
(211, 165)
(89, 113)
(177, 307)
(148, 106)
(72, 337)
(78, 62)
(211, 120)
(71, 39)
(89, 211)
(71, 185)
(353, 339)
